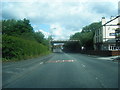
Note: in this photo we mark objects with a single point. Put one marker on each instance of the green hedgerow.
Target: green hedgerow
(19, 48)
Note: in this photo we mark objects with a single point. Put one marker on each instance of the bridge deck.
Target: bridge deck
(63, 41)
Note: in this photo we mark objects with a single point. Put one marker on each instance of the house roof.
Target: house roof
(111, 20)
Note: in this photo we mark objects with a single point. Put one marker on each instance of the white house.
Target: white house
(104, 38)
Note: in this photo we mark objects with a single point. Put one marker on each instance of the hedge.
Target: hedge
(16, 48)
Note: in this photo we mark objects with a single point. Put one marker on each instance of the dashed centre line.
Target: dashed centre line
(83, 65)
(61, 61)
(41, 62)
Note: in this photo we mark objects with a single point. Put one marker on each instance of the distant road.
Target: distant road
(61, 70)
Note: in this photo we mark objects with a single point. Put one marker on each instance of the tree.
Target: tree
(72, 47)
(20, 41)
(22, 29)
(86, 35)
(39, 37)
(92, 27)
(16, 27)
(8, 26)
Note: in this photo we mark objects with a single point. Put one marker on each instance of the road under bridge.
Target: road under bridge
(57, 45)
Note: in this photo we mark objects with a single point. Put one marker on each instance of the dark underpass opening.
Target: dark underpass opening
(70, 46)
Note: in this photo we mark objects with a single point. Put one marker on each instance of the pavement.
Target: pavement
(112, 58)
(108, 58)
(62, 70)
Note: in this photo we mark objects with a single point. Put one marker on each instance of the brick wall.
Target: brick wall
(101, 53)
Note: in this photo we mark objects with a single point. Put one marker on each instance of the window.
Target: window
(112, 47)
(98, 39)
(112, 34)
(114, 29)
(96, 32)
(108, 28)
(100, 31)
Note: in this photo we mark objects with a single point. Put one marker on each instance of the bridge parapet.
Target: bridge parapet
(59, 46)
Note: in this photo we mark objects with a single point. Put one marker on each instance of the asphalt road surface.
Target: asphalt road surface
(61, 70)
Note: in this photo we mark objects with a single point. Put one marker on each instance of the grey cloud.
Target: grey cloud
(107, 8)
(8, 15)
(69, 16)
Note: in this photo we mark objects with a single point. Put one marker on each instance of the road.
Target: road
(61, 70)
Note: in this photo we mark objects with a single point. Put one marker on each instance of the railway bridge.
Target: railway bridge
(57, 45)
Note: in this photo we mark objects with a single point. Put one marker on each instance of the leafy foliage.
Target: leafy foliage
(20, 40)
(16, 27)
(39, 37)
(86, 35)
(92, 27)
(86, 39)
(22, 29)
(72, 47)
(18, 48)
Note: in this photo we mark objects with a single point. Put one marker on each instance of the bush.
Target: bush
(18, 48)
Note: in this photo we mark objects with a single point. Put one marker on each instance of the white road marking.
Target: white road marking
(60, 61)
(41, 62)
(9, 72)
(100, 81)
(20, 68)
(96, 78)
(83, 65)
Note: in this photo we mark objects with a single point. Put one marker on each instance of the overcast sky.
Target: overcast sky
(61, 18)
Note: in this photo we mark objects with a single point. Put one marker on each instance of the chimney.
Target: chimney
(103, 20)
